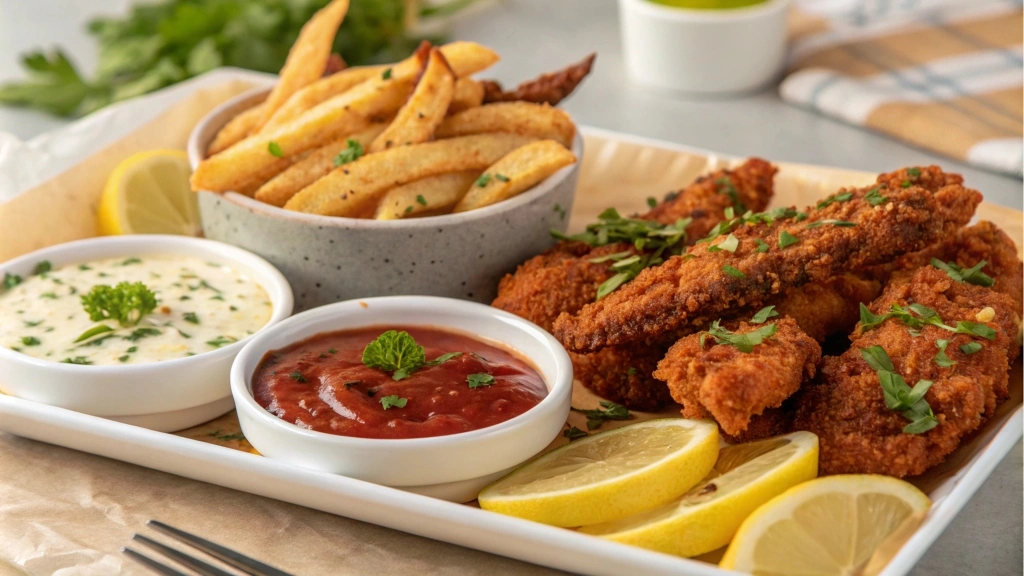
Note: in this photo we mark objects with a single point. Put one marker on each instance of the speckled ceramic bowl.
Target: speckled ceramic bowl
(329, 259)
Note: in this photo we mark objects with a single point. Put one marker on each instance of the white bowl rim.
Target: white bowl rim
(196, 148)
(722, 15)
(242, 383)
(155, 244)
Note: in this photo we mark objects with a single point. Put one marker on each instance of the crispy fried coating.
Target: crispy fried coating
(846, 408)
(564, 279)
(748, 187)
(832, 306)
(622, 374)
(931, 178)
(549, 88)
(732, 386)
(687, 292)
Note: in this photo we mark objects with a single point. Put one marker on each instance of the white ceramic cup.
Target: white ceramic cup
(703, 51)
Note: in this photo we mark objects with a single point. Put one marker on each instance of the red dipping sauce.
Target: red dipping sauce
(321, 384)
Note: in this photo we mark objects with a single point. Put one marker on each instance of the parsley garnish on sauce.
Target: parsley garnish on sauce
(597, 417)
(275, 149)
(83, 360)
(191, 317)
(298, 377)
(352, 152)
(11, 280)
(395, 352)
(221, 341)
(393, 401)
(744, 342)
(140, 333)
(94, 331)
(479, 379)
(972, 275)
(43, 267)
(899, 396)
(30, 341)
(127, 303)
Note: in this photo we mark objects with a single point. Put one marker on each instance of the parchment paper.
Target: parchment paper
(68, 513)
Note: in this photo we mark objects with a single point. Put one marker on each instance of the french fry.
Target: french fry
(342, 114)
(468, 94)
(425, 109)
(430, 195)
(307, 58)
(320, 91)
(525, 118)
(235, 130)
(355, 188)
(515, 173)
(314, 166)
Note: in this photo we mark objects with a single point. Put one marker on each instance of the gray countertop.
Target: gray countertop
(539, 35)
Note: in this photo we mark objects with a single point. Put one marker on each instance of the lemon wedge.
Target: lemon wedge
(706, 517)
(831, 525)
(149, 193)
(608, 475)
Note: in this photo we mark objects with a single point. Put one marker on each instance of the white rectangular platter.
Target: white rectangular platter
(618, 171)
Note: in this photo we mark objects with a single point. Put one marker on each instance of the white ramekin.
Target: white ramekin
(453, 467)
(703, 51)
(165, 396)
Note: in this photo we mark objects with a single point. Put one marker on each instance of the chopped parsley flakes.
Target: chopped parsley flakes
(479, 379)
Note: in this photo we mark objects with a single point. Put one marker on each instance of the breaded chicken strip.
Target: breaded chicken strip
(549, 88)
(846, 406)
(623, 374)
(713, 378)
(689, 291)
(822, 309)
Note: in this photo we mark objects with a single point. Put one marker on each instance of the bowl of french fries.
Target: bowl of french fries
(405, 178)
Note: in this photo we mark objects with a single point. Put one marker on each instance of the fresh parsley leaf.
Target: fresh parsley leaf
(729, 244)
(353, 151)
(787, 239)
(557, 209)
(764, 314)
(83, 360)
(597, 416)
(842, 197)
(49, 295)
(393, 401)
(191, 317)
(130, 261)
(275, 149)
(483, 180)
(43, 267)
(870, 321)
(395, 352)
(941, 358)
(900, 397)
(735, 273)
(744, 342)
(876, 357)
(762, 246)
(32, 323)
(127, 303)
(386, 75)
(421, 200)
(652, 201)
(914, 172)
(11, 280)
(220, 341)
(123, 358)
(30, 341)
(573, 433)
(443, 358)
(725, 186)
(501, 177)
(874, 197)
(923, 424)
(972, 275)
(479, 379)
(975, 329)
(971, 348)
(298, 377)
(140, 333)
(95, 330)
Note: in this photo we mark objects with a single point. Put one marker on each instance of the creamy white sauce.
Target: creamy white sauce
(201, 306)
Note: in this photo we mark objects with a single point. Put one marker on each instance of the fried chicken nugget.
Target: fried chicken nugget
(623, 374)
(549, 88)
(689, 291)
(732, 386)
(846, 406)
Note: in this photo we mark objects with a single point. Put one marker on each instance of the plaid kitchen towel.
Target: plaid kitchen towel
(945, 75)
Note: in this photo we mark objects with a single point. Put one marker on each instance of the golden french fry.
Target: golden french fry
(430, 195)
(307, 58)
(526, 118)
(425, 109)
(468, 94)
(235, 130)
(354, 189)
(320, 91)
(317, 164)
(346, 113)
(515, 173)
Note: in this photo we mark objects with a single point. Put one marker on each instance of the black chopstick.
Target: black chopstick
(194, 564)
(226, 555)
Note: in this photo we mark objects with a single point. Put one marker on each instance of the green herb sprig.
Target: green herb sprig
(127, 303)
(597, 416)
(972, 275)
(745, 341)
(899, 396)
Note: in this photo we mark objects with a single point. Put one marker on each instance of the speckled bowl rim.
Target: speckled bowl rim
(219, 116)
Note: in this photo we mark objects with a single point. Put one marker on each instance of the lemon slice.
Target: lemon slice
(149, 193)
(608, 475)
(832, 525)
(705, 518)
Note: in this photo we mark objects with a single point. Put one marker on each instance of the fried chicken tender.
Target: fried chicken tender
(564, 280)
(549, 88)
(832, 306)
(689, 291)
(730, 386)
(846, 407)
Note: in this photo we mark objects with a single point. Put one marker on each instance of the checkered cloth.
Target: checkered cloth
(945, 75)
